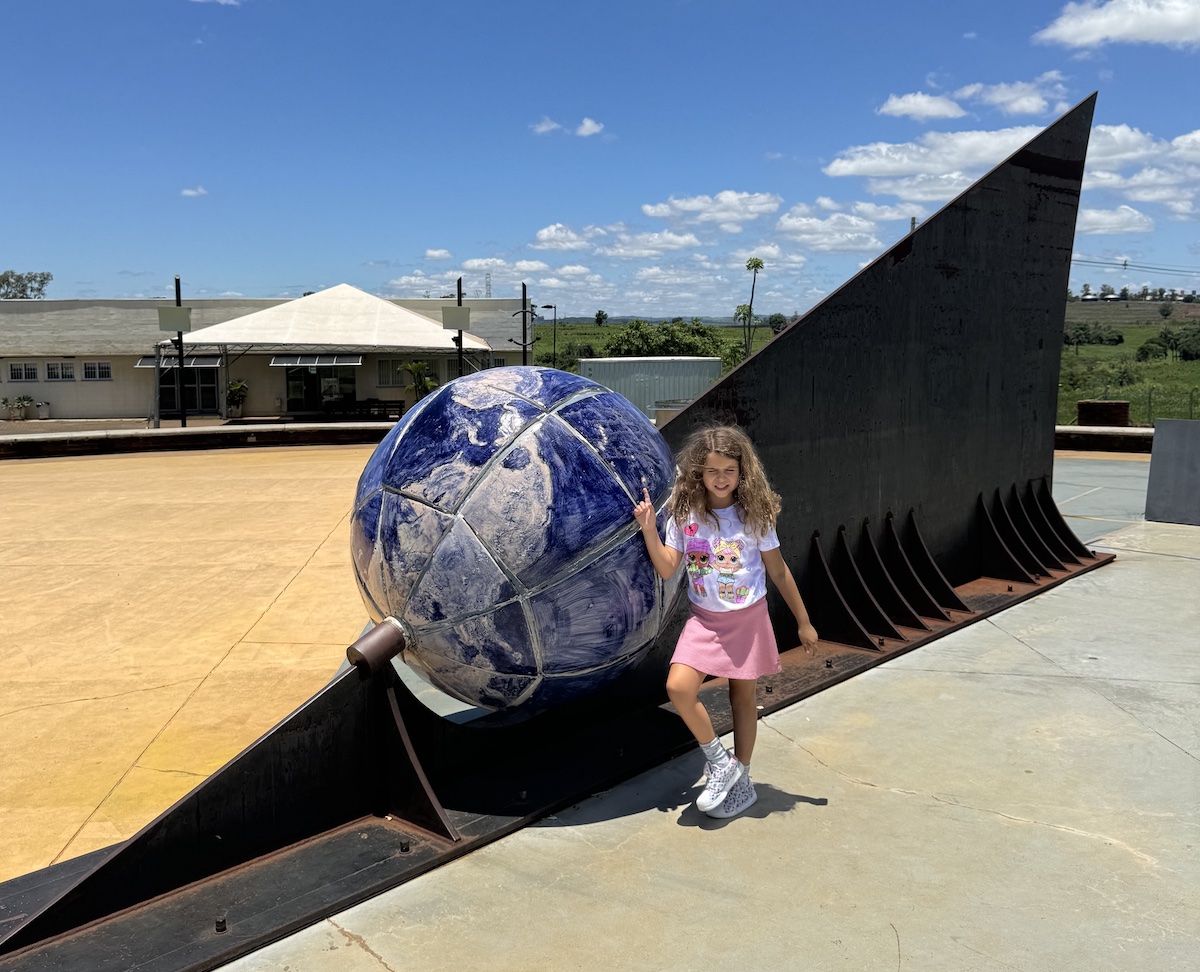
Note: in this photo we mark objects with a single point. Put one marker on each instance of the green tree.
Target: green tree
(1169, 337)
(423, 380)
(754, 264)
(1189, 347)
(639, 339)
(1087, 289)
(1151, 348)
(568, 356)
(1166, 309)
(601, 318)
(777, 322)
(24, 286)
(1106, 289)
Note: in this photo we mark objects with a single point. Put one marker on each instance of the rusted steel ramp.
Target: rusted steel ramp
(908, 422)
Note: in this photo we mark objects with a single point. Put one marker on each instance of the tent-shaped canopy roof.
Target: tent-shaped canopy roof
(342, 318)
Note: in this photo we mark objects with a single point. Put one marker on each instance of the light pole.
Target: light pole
(554, 330)
(527, 314)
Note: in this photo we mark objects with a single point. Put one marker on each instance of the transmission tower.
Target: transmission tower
(487, 284)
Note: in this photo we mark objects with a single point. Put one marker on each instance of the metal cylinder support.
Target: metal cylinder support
(377, 647)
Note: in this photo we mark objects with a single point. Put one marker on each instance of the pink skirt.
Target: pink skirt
(729, 644)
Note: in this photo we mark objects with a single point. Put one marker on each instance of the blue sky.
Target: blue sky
(620, 155)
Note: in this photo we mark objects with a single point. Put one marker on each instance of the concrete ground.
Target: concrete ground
(1019, 795)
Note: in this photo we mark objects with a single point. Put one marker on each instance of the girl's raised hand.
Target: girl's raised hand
(644, 512)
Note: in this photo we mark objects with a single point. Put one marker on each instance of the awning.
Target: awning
(309, 360)
(189, 361)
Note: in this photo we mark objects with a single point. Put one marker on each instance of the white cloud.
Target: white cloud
(771, 254)
(484, 263)
(827, 204)
(668, 275)
(559, 237)
(574, 270)
(934, 153)
(230, 293)
(198, 191)
(922, 188)
(883, 214)
(1175, 23)
(921, 106)
(728, 209)
(544, 126)
(1186, 148)
(589, 127)
(1123, 219)
(418, 284)
(530, 266)
(773, 156)
(841, 231)
(223, 3)
(438, 255)
(1020, 97)
(643, 245)
(1112, 146)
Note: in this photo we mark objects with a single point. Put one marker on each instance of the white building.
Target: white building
(339, 350)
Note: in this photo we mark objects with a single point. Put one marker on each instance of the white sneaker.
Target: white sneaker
(720, 782)
(740, 797)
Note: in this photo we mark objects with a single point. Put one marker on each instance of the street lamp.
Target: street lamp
(554, 330)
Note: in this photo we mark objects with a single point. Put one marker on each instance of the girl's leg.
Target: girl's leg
(745, 717)
(683, 689)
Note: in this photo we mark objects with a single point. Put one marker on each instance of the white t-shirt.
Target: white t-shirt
(724, 564)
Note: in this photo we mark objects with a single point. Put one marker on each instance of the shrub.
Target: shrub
(1152, 348)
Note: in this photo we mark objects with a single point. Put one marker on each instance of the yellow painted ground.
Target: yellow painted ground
(159, 613)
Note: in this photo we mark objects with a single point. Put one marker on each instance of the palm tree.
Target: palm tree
(423, 381)
(754, 264)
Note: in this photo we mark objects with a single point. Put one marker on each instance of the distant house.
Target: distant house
(1089, 297)
(336, 350)
(1111, 297)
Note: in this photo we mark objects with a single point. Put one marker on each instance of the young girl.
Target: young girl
(722, 515)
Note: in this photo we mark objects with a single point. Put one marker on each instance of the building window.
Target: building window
(498, 362)
(97, 371)
(390, 375)
(22, 371)
(60, 371)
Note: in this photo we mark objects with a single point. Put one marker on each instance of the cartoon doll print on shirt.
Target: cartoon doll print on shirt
(699, 560)
(727, 561)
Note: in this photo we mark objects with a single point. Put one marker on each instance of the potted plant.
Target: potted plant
(422, 379)
(235, 395)
(15, 407)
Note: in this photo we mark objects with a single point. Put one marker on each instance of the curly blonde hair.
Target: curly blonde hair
(759, 503)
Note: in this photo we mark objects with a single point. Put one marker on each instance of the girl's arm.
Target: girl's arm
(785, 583)
(665, 559)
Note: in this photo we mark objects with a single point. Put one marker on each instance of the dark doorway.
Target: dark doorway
(319, 388)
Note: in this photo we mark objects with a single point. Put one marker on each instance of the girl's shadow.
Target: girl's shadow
(672, 788)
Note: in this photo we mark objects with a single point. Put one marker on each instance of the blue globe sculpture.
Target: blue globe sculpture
(494, 522)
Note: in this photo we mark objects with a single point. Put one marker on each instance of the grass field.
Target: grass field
(1154, 389)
